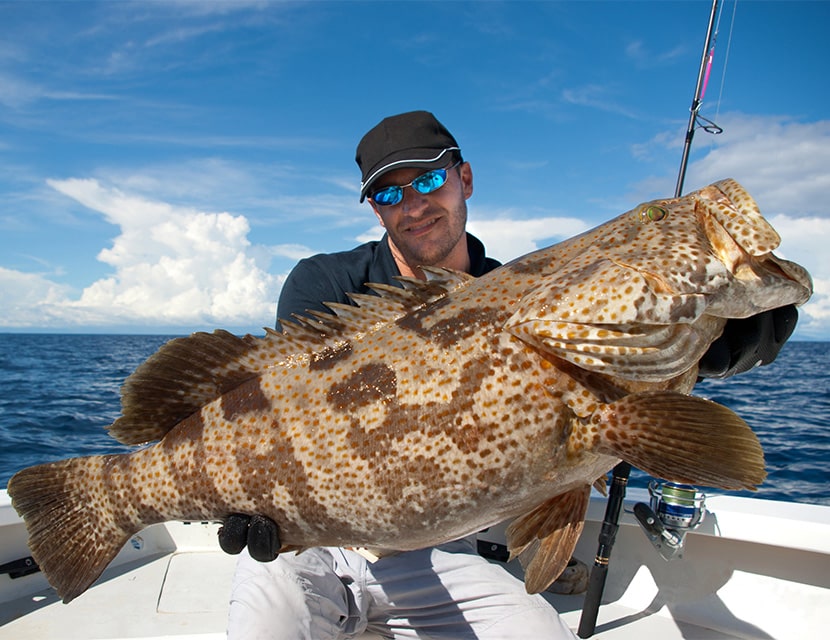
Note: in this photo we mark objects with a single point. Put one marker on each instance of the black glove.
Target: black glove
(748, 342)
(259, 533)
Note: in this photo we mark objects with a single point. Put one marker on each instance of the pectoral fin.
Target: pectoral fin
(545, 538)
(681, 438)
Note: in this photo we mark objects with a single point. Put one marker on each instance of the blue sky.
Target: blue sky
(164, 164)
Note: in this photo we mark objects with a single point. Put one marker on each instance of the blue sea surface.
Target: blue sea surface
(58, 393)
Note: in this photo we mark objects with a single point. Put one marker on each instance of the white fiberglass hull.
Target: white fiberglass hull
(754, 569)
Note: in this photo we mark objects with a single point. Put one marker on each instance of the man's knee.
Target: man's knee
(291, 597)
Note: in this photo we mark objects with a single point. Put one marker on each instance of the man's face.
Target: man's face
(425, 229)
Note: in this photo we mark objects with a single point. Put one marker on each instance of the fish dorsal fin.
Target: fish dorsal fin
(175, 382)
(187, 373)
(545, 538)
(439, 281)
(368, 312)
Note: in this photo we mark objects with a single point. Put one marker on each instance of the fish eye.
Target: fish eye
(653, 213)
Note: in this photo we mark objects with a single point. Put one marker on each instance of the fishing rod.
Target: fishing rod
(619, 477)
(697, 100)
(607, 537)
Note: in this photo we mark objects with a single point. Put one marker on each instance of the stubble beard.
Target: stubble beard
(434, 253)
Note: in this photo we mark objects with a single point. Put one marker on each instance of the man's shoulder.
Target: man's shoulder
(363, 254)
(349, 269)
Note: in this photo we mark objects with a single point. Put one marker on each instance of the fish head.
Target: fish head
(643, 296)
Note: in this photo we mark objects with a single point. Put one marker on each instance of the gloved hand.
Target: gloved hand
(259, 533)
(748, 342)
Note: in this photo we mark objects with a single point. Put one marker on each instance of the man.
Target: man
(417, 184)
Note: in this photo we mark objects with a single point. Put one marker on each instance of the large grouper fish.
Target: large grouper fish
(435, 409)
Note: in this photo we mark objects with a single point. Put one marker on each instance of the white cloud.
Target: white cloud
(596, 97)
(374, 233)
(805, 241)
(294, 252)
(507, 238)
(783, 163)
(30, 299)
(18, 93)
(171, 266)
(641, 54)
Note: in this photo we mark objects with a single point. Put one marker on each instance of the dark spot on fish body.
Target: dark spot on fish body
(190, 429)
(465, 324)
(261, 465)
(414, 320)
(330, 356)
(526, 266)
(469, 437)
(371, 383)
(245, 398)
(149, 513)
(418, 471)
(193, 492)
(447, 331)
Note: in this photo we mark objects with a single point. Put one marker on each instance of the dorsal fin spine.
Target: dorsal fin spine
(187, 373)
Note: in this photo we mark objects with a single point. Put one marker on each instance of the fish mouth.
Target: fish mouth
(743, 241)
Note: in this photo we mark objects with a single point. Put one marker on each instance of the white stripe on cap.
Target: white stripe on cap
(385, 167)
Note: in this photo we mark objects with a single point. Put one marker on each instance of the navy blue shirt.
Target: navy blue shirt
(328, 277)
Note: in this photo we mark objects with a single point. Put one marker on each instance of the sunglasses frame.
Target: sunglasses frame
(399, 188)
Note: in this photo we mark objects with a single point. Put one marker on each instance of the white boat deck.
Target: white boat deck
(755, 569)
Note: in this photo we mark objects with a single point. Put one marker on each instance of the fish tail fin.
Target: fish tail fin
(73, 533)
(682, 439)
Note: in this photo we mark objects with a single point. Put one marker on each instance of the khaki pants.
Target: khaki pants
(440, 592)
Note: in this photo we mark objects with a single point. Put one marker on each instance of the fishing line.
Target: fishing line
(709, 126)
(726, 57)
(710, 56)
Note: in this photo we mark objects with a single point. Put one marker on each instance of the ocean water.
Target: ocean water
(58, 393)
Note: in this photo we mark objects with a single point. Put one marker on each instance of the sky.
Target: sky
(163, 165)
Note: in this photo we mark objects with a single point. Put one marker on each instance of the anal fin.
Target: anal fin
(545, 538)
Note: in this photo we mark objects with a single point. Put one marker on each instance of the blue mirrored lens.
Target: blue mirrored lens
(430, 181)
(388, 196)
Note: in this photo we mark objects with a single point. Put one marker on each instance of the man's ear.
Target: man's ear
(466, 179)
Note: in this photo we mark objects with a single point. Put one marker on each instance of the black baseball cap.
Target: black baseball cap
(412, 139)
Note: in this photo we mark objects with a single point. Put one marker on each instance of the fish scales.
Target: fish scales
(436, 409)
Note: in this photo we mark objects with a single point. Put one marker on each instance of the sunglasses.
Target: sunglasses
(424, 183)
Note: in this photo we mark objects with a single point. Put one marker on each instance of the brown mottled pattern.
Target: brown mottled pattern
(369, 384)
(441, 408)
(329, 356)
(246, 398)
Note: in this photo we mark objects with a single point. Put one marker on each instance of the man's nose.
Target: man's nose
(413, 202)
